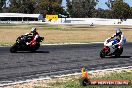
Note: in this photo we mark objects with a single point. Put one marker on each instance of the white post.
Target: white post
(22, 19)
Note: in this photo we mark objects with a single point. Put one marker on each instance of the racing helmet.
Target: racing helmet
(33, 30)
(118, 31)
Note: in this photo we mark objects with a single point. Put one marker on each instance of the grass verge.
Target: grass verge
(62, 33)
(73, 81)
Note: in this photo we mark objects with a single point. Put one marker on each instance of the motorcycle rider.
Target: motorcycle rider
(119, 37)
(35, 35)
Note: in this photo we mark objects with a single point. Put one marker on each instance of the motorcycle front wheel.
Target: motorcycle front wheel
(13, 49)
(102, 54)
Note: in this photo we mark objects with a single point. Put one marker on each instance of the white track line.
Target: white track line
(62, 44)
(74, 43)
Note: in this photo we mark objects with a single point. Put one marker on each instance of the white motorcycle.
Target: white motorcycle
(111, 48)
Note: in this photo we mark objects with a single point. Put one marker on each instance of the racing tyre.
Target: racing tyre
(13, 49)
(102, 54)
(36, 47)
(119, 52)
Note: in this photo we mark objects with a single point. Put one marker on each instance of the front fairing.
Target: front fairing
(108, 46)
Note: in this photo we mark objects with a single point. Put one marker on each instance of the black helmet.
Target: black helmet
(118, 31)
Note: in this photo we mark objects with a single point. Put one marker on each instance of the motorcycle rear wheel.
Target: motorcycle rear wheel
(36, 47)
(118, 52)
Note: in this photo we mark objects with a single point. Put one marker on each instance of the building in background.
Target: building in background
(21, 17)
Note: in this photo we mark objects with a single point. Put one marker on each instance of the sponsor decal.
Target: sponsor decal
(84, 81)
(52, 17)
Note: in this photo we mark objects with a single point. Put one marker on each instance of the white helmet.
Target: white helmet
(33, 30)
(118, 31)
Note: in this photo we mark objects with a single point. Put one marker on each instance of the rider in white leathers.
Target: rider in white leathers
(119, 37)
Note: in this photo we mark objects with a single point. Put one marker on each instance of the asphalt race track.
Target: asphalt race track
(57, 59)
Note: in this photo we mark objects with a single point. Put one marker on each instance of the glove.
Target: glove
(108, 40)
(119, 46)
(28, 43)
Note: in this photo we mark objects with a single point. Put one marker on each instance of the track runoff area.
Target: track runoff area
(53, 60)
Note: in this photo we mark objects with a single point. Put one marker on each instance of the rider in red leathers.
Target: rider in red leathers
(35, 35)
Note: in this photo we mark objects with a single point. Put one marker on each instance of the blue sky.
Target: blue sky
(101, 3)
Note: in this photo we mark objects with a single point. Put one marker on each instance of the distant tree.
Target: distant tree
(49, 7)
(89, 7)
(78, 9)
(36, 6)
(102, 13)
(110, 3)
(27, 6)
(14, 6)
(81, 8)
(22, 6)
(120, 9)
(59, 1)
(130, 12)
(69, 8)
(2, 4)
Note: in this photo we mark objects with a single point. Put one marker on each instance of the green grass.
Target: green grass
(74, 83)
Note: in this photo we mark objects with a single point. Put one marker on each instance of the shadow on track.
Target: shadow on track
(42, 52)
(33, 52)
(119, 57)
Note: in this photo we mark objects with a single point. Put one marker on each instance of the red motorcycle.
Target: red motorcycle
(21, 45)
